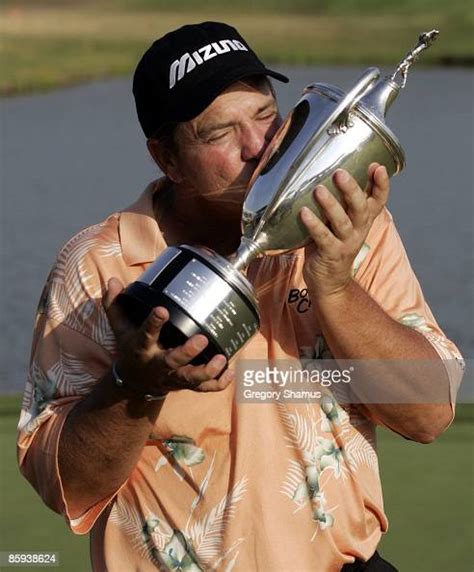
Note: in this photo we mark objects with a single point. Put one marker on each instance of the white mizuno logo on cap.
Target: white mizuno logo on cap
(187, 62)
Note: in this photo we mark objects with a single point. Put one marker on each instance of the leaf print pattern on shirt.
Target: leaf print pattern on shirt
(361, 450)
(198, 544)
(319, 454)
(447, 350)
(320, 350)
(361, 256)
(415, 321)
(68, 305)
(333, 414)
(183, 449)
(44, 387)
(178, 554)
(143, 536)
(207, 533)
(153, 538)
(78, 305)
(68, 376)
(180, 449)
(322, 458)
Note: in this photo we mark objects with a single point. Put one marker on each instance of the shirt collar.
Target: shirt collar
(140, 236)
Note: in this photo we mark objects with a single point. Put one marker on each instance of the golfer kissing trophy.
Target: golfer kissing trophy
(327, 130)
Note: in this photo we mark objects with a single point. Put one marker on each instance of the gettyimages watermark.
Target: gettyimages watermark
(353, 381)
(285, 381)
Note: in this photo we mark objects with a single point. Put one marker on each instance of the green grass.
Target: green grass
(292, 6)
(26, 524)
(428, 498)
(428, 492)
(44, 63)
(47, 44)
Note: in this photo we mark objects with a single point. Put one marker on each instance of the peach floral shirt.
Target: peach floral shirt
(225, 486)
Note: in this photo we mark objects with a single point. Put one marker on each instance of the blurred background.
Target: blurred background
(71, 152)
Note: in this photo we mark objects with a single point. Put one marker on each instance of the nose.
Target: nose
(254, 141)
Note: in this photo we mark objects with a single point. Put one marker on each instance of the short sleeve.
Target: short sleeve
(382, 268)
(72, 349)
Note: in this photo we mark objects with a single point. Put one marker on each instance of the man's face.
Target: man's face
(219, 150)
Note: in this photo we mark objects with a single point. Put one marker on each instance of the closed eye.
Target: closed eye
(217, 136)
(267, 116)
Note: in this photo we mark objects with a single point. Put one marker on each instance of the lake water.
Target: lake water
(72, 156)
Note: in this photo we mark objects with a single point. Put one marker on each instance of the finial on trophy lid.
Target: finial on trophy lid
(385, 91)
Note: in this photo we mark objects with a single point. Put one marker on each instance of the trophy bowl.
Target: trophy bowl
(327, 130)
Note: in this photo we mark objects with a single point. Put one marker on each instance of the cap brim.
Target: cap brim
(197, 106)
(277, 75)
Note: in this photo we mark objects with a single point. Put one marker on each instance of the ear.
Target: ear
(165, 159)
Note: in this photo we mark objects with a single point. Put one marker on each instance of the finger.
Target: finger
(354, 197)
(380, 190)
(370, 174)
(195, 375)
(370, 179)
(337, 217)
(217, 384)
(149, 332)
(318, 231)
(182, 355)
(212, 369)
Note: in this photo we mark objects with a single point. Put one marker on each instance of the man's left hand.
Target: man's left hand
(329, 258)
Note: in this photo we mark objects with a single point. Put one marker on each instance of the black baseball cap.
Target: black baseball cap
(185, 70)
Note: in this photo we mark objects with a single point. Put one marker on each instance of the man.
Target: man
(152, 454)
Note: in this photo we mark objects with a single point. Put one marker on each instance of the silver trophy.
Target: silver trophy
(326, 130)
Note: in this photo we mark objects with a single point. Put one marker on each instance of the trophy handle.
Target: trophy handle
(338, 120)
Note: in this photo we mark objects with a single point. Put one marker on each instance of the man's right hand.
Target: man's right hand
(149, 368)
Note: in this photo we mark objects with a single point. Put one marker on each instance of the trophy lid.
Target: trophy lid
(384, 92)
